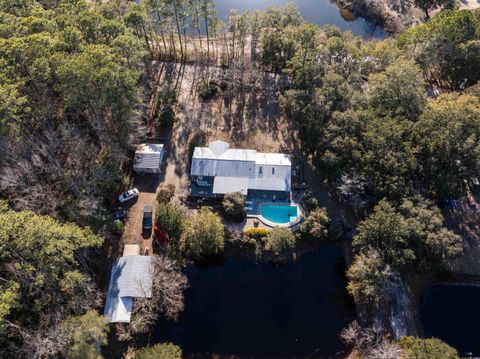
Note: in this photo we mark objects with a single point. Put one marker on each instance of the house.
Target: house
(219, 169)
(131, 278)
(148, 158)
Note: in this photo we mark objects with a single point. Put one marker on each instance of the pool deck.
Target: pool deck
(254, 214)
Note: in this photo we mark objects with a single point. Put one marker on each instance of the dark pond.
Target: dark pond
(256, 310)
(452, 313)
(320, 12)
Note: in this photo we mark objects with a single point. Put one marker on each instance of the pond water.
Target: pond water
(256, 310)
(320, 12)
(452, 313)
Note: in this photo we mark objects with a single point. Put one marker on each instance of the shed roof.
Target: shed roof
(118, 309)
(131, 277)
(148, 156)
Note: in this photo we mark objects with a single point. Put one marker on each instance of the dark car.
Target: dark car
(147, 217)
(119, 213)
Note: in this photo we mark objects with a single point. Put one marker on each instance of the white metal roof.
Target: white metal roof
(131, 277)
(118, 309)
(148, 156)
(232, 154)
(223, 185)
(277, 159)
(264, 171)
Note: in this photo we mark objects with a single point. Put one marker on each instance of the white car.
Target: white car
(126, 196)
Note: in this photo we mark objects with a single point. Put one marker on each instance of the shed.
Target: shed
(148, 158)
(131, 278)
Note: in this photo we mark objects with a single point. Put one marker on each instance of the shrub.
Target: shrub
(309, 200)
(165, 192)
(171, 220)
(256, 233)
(234, 206)
(208, 89)
(432, 348)
(280, 241)
(315, 225)
(159, 351)
(204, 235)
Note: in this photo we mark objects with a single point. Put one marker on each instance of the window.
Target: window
(273, 170)
(260, 170)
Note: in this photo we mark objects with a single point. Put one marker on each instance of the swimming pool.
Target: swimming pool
(280, 214)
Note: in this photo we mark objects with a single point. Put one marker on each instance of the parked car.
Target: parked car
(119, 213)
(127, 196)
(147, 217)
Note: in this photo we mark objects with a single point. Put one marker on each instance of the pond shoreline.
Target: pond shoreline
(380, 13)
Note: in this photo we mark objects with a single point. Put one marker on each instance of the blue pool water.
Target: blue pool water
(280, 214)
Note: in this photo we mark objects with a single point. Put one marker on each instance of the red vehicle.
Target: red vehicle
(160, 236)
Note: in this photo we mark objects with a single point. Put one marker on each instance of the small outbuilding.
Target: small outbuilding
(131, 278)
(148, 158)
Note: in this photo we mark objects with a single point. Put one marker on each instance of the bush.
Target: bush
(159, 351)
(280, 241)
(165, 192)
(171, 220)
(417, 348)
(309, 200)
(256, 233)
(204, 235)
(315, 225)
(208, 89)
(234, 206)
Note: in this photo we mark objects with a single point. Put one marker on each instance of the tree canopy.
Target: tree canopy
(44, 271)
(204, 235)
(159, 351)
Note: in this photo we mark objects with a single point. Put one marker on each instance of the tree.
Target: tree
(280, 241)
(447, 48)
(234, 206)
(165, 193)
(432, 348)
(316, 225)
(398, 91)
(427, 5)
(45, 273)
(79, 337)
(449, 156)
(408, 236)
(171, 220)
(204, 235)
(159, 351)
(369, 276)
(210, 18)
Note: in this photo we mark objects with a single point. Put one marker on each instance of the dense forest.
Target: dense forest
(392, 125)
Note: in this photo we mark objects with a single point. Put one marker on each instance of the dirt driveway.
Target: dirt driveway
(147, 185)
